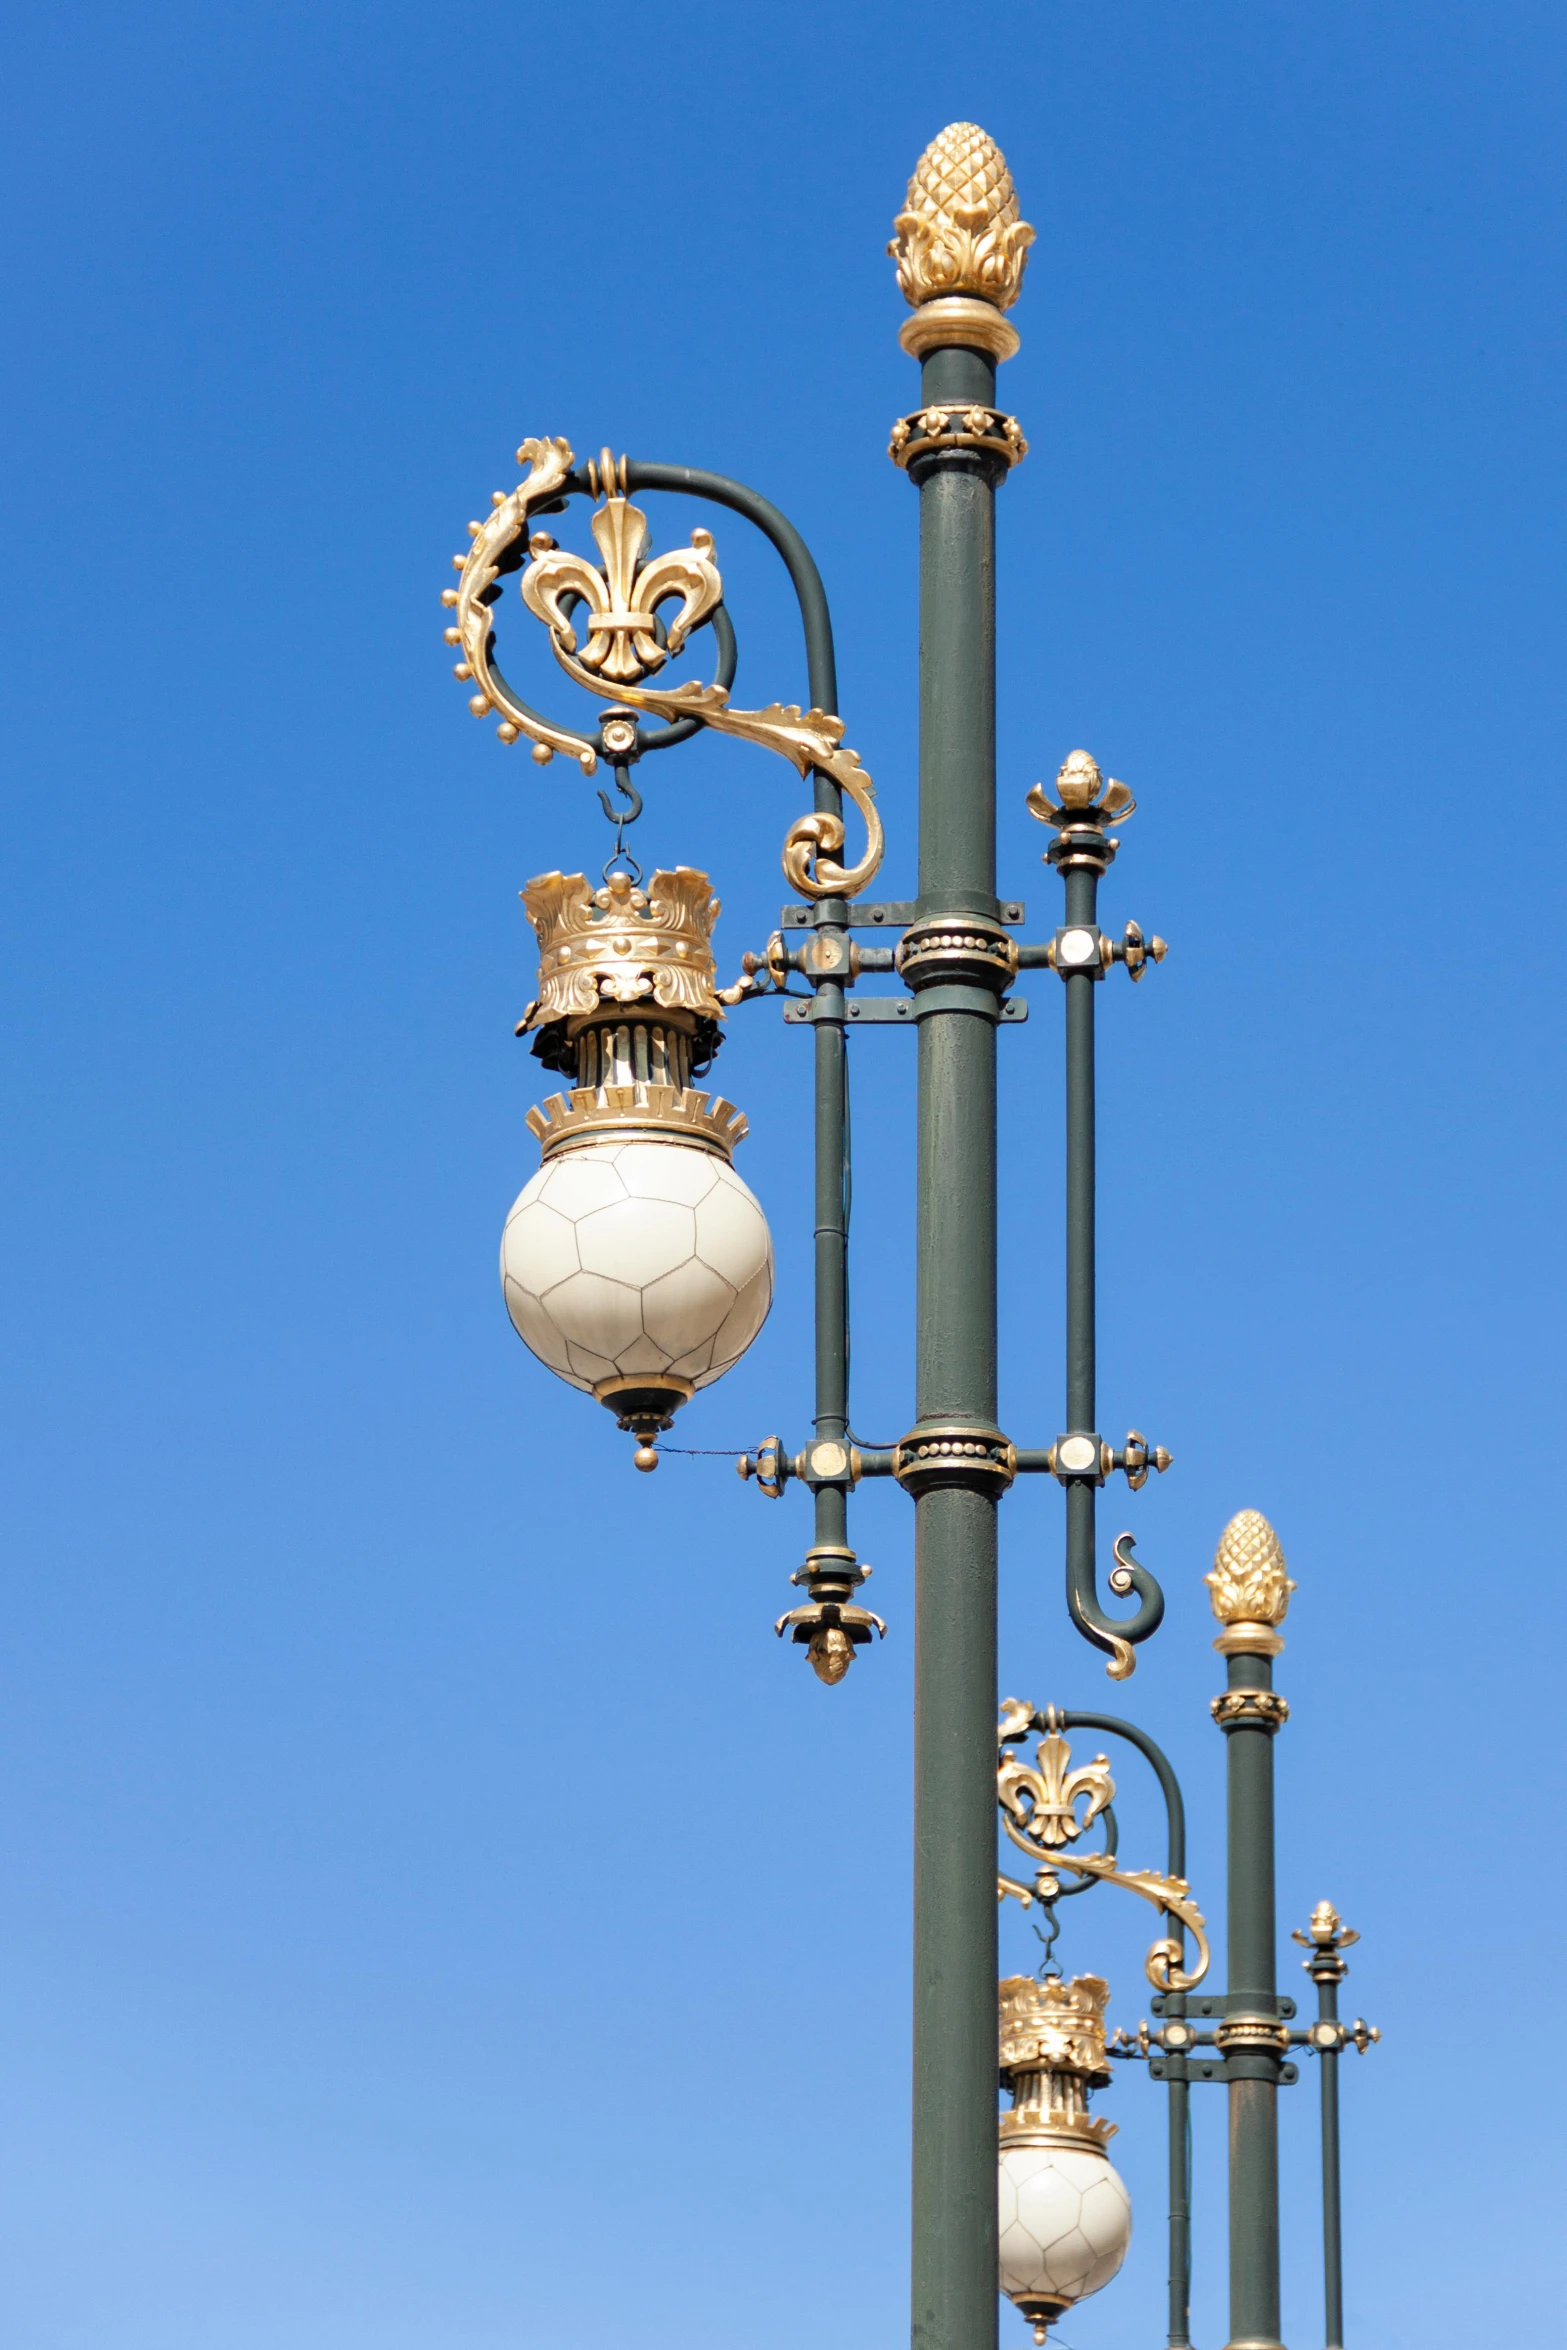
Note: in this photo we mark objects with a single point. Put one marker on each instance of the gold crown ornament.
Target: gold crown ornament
(1052, 2050)
(635, 1264)
(1057, 2195)
(627, 1007)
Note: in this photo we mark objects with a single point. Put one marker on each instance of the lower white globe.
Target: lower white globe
(1065, 2222)
(622, 1259)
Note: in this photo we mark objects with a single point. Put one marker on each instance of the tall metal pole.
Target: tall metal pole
(1251, 1591)
(957, 960)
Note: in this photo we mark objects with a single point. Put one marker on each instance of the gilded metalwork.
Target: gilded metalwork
(1039, 1811)
(1052, 2053)
(955, 318)
(1137, 952)
(954, 1453)
(1249, 1587)
(1054, 2024)
(621, 944)
(629, 1113)
(769, 1465)
(1325, 1930)
(1083, 795)
(811, 740)
(1252, 2031)
(956, 947)
(1250, 1705)
(1162, 1965)
(960, 232)
(1039, 1804)
(829, 1629)
(623, 597)
(549, 462)
(955, 424)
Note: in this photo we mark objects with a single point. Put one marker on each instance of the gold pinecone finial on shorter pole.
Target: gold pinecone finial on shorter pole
(1250, 1587)
(961, 244)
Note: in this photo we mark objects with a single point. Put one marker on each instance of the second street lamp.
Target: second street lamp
(638, 1266)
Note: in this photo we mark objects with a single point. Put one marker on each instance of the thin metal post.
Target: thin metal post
(1332, 2235)
(1326, 1940)
(1082, 900)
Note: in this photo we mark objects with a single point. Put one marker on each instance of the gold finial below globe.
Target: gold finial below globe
(959, 232)
(1250, 1587)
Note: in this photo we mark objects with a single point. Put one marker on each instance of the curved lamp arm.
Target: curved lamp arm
(1116, 1637)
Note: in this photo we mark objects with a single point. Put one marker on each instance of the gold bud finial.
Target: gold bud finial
(1250, 1587)
(831, 1652)
(960, 246)
(959, 230)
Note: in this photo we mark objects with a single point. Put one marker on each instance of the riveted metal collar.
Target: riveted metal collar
(954, 1453)
(942, 948)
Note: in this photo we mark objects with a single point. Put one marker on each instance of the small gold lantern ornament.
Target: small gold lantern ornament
(636, 1264)
(1065, 2218)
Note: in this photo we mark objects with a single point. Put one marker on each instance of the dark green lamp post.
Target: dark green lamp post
(637, 1264)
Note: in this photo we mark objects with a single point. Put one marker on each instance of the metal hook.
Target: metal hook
(1047, 1966)
(629, 792)
(620, 818)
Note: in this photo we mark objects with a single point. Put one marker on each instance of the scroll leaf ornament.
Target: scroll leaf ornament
(548, 463)
(1171, 1894)
(808, 739)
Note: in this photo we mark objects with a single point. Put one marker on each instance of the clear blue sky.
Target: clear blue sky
(437, 1915)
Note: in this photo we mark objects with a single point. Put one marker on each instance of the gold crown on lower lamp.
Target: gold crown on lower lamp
(621, 944)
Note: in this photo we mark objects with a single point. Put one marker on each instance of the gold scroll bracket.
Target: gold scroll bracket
(1040, 1812)
(621, 650)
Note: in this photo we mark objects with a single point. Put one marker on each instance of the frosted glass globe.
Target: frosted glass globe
(1065, 2220)
(622, 1258)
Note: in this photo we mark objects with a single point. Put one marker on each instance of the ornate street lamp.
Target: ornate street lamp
(637, 1265)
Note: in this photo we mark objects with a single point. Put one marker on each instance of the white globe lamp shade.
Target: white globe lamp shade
(1065, 2223)
(638, 1271)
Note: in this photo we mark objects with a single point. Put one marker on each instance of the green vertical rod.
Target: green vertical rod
(830, 942)
(1327, 1971)
(1178, 2091)
(1177, 2077)
(954, 2166)
(1252, 2064)
(1082, 902)
(1332, 2236)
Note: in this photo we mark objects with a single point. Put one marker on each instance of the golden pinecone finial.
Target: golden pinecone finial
(959, 232)
(1250, 1586)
